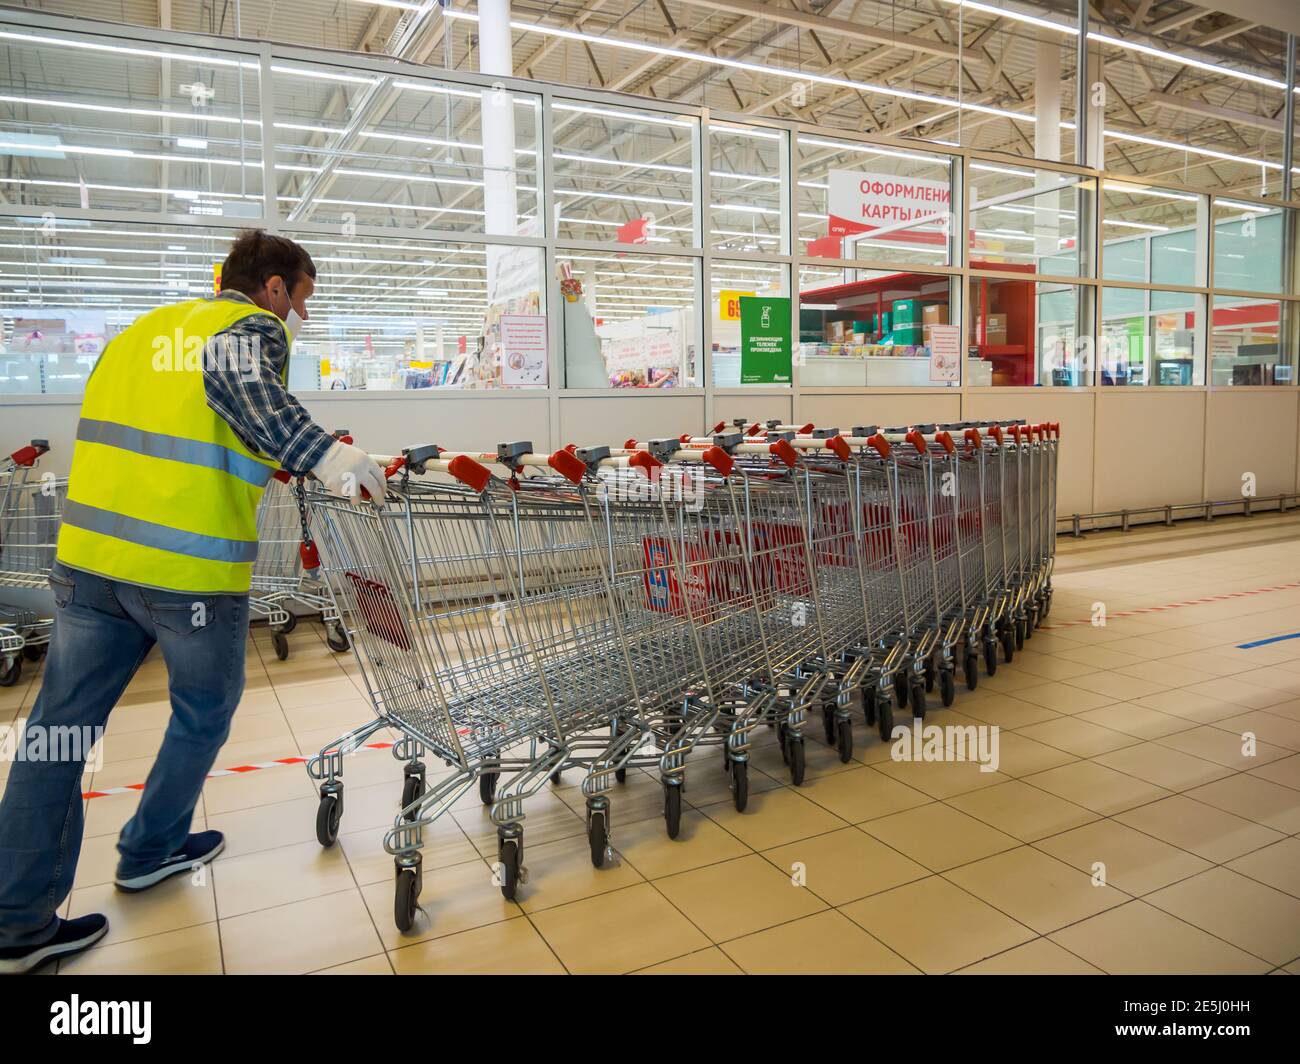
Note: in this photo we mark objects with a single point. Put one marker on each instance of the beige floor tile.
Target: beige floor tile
(823, 944)
(376, 965)
(1025, 812)
(1116, 686)
(1100, 657)
(1163, 766)
(936, 925)
(1036, 889)
(1249, 914)
(1208, 832)
(940, 779)
(512, 947)
(738, 897)
(1286, 772)
(1267, 727)
(711, 961)
(98, 861)
(1062, 698)
(1006, 711)
(1238, 692)
(774, 817)
(1096, 787)
(622, 931)
(862, 794)
(1224, 747)
(188, 951)
(444, 845)
(266, 827)
(1189, 705)
(1262, 801)
(1049, 667)
(1139, 939)
(452, 899)
(1277, 865)
(1167, 674)
(182, 901)
(1077, 737)
(561, 872)
(1020, 756)
(645, 845)
(939, 836)
(1126, 858)
(1040, 957)
(305, 936)
(1010, 680)
(845, 865)
(1138, 721)
(546, 819)
(247, 790)
(278, 877)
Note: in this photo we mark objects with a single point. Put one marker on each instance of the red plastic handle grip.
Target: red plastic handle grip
(996, 433)
(805, 429)
(685, 437)
(785, 452)
(720, 460)
(629, 444)
(721, 426)
(567, 465)
(972, 437)
(880, 444)
(916, 440)
(754, 429)
(1016, 431)
(945, 441)
(25, 456)
(644, 461)
(840, 447)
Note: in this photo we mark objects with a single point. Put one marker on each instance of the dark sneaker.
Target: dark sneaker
(72, 937)
(198, 850)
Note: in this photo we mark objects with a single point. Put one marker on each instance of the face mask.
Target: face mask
(292, 324)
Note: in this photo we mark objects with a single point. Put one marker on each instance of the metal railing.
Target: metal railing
(1207, 510)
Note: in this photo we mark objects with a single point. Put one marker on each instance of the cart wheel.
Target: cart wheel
(885, 719)
(740, 784)
(844, 739)
(597, 835)
(991, 656)
(828, 724)
(1021, 628)
(412, 791)
(620, 774)
(947, 687)
(336, 638)
(487, 786)
(1035, 617)
(290, 624)
(929, 674)
(11, 672)
(508, 857)
(1008, 644)
(780, 741)
(281, 645)
(1047, 602)
(972, 665)
(918, 698)
(900, 689)
(673, 808)
(869, 705)
(796, 759)
(328, 815)
(34, 652)
(557, 777)
(406, 901)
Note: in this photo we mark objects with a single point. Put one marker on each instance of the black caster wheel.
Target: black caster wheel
(413, 791)
(929, 675)
(289, 625)
(900, 689)
(487, 786)
(828, 724)
(328, 815)
(991, 656)
(869, 705)
(11, 672)
(1008, 644)
(844, 739)
(337, 639)
(673, 808)
(917, 697)
(885, 718)
(34, 653)
(406, 900)
(796, 760)
(557, 777)
(1022, 627)
(972, 667)
(509, 859)
(620, 774)
(947, 687)
(598, 834)
(281, 645)
(740, 784)
(780, 741)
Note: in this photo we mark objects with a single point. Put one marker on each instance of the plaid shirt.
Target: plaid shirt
(248, 394)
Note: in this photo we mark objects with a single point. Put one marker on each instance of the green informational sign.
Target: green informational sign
(765, 340)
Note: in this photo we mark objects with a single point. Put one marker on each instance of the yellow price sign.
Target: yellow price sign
(729, 304)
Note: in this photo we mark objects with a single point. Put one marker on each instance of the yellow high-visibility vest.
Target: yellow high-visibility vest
(162, 492)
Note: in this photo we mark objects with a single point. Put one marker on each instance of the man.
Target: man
(156, 547)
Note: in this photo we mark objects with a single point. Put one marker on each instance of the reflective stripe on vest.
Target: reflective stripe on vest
(174, 449)
(148, 534)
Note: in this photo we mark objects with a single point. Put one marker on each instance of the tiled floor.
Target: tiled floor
(1130, 826)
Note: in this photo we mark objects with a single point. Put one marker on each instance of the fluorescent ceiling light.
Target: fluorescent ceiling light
(197, 58)
(197, 143)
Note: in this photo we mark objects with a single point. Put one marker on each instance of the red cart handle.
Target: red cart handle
(720, 460)
(944, 439)
(916, 440)
(840, 447)
(785, 452)
(972, 437)
(880, 444)
(26, 456)
(568, 465)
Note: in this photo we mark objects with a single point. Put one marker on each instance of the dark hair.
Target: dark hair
(257, 256)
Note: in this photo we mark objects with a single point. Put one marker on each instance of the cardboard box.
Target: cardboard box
(905, 312)
(934, 314)
(995, 330)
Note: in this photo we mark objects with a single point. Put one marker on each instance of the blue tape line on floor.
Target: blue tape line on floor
(1270, 639)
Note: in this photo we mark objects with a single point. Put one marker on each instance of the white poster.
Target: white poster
(895, 206)
(945, 353)
(523, 349)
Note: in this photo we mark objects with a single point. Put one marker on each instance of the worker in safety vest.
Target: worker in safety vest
(185, 417)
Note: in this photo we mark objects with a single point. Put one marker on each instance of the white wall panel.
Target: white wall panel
(1150, 447)
(615, 418)
(1250, 433)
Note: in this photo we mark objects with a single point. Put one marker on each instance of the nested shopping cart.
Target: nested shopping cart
(30, 510)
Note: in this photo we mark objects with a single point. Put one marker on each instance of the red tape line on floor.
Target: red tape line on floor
(1178, 605)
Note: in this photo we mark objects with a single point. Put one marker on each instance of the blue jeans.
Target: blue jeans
(102, 631)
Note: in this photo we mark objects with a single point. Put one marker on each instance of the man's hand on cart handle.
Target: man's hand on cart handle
(349, 471)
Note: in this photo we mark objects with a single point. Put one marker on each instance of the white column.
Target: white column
(1047, 101)
(1096, 145)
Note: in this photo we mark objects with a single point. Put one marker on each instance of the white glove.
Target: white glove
(346, 470)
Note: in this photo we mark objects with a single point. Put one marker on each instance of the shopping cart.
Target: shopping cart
(30, 510)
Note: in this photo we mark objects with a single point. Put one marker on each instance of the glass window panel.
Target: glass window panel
(624, 176)
(1163, 345)
(1153, 234)
(729, 282)
(855, 201)
(68, 286)
(1252, 341)
(1027, 218)
(1028, 333)
(629, 320)
(1254, 246)
(871, 328)
(159, 129)
(355, 148)
(400, 314)
(747, 173)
